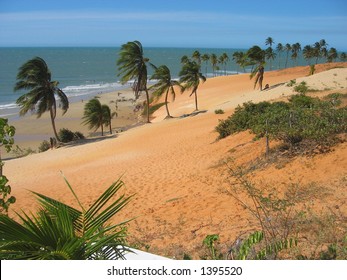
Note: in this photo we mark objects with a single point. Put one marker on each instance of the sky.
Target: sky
(166, 23)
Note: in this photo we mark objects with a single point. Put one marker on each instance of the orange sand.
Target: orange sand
(174, 166)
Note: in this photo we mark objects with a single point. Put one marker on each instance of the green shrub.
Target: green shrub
(291, 83)
(66, 135)
(303, 118)
(218, 111)
(301, 88)
(44, 146)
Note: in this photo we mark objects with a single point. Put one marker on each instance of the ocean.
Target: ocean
(85, 71)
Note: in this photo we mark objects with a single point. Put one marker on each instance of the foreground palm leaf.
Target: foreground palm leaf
(59, 231)
(35, 76)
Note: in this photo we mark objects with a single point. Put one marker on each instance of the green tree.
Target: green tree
(279, 50)
(269, 51)
(61, 232)
(343, 57)
(308, 53)
(190, 78)
(35, 76)
(287, 48)
(332, 55)
(165, 84)
(6, 140)
(214, 62)
(197, 57)
(205, 58)
(240, 59)
(133, 66)
(223, 59)
(296, 48)
(97, 115)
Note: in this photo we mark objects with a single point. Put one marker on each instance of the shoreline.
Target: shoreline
(31, 131)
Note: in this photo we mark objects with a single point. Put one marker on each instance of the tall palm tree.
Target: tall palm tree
(165, 84)
(270, 54)
(133, 66)
(205, 58)
(35, 76)
(332, 55)
(240, 59)
(279, 50)
(307, 53)
(296, 48)
(269, 41)
(61, 232)
(191, 77)
(214, 62)
(97, 115)
(287, 48)
(224, 58)
(197, 57)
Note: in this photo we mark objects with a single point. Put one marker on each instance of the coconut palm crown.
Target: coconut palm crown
(165, 84)
(132, 65)
(34, 76)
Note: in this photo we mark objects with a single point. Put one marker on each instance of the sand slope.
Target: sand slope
(174, 166)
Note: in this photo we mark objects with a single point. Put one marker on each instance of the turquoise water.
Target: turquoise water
(88, 71)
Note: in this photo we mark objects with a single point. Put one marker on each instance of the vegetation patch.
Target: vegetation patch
(304, 121)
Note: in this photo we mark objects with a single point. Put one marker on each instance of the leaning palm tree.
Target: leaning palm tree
(133, 66)
(165, 84)
(191, 77)
(35, 76)
(61, 232)
(97, 115)
(108, 116)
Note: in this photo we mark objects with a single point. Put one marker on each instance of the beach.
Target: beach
(175, 166)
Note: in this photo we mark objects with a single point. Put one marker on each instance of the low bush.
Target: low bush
(301, 88)
(44, 146)
(302, 118)
(218, 111)
(66, 135)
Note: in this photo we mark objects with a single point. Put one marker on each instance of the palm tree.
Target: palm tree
(214, 62)
(59, 231)
(308, 53)
(165, 84)
(133, 66)
(184, 59)
(269, 41)
(279, 50)
(240, 59)
(35, 76)
(191, 77)
(332, 55)
(108, 116)
(205, 57)
(296, 48)
(197, 57)
(343, 57)
(287, 48)
(97, 115)
(224, 58)
(269, 52)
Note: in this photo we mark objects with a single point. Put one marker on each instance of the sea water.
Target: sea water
(84, 71)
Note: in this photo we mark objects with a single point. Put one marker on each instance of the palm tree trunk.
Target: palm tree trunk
(196, 100)
(166, 106)
(102, 130)
(110, 128)
(147, 98)
(53, 124)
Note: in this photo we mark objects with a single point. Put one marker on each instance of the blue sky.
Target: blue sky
(180, 23)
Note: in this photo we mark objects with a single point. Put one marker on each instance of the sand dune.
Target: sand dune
(174, 166)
